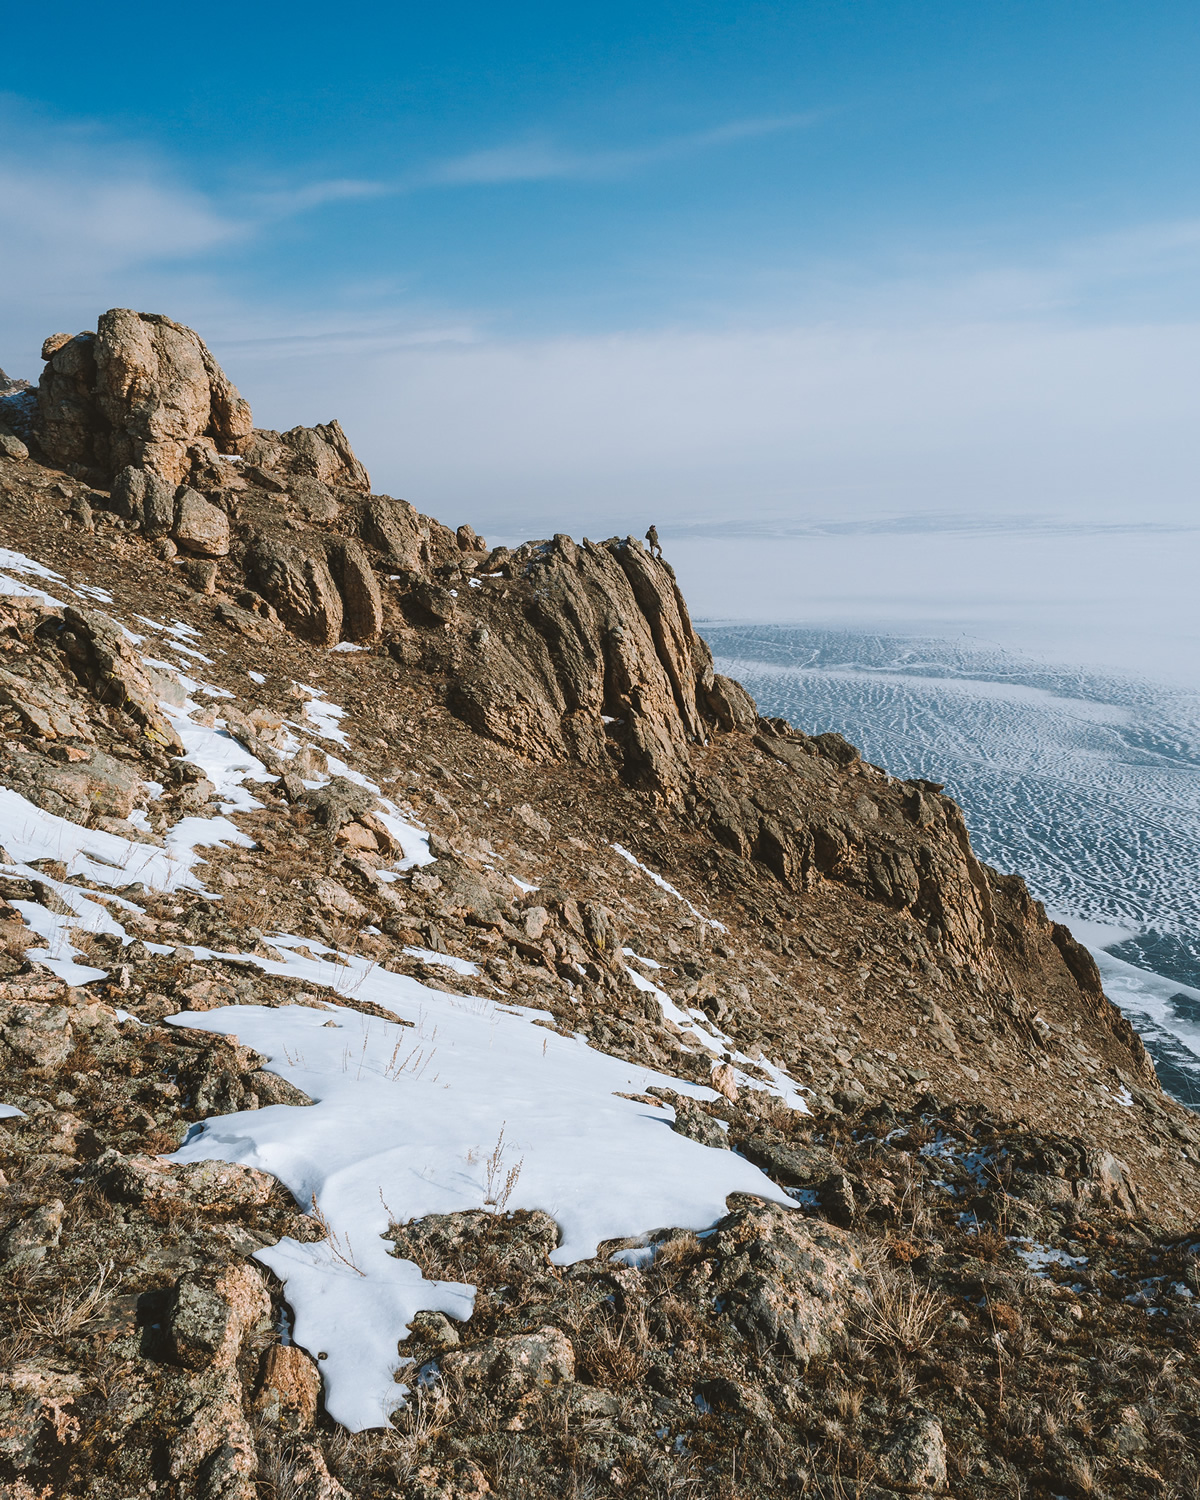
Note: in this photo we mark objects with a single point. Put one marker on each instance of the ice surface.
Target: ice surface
(1087, 785)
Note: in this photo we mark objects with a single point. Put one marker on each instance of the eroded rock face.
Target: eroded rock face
(794, 1282)
(212, 1311)
(143, 391)
(322, 452)
(296, 580)
(601, 660)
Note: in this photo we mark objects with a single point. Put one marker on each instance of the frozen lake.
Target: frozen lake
(1007, 667)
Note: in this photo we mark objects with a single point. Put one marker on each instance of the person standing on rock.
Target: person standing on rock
(652, 539)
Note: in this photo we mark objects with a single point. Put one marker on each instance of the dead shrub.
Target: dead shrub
(614, 1348)
(902, 1313)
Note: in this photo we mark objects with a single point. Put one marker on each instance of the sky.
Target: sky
(742, 269)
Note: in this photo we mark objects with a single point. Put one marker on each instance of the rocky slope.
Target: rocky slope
(418, 769)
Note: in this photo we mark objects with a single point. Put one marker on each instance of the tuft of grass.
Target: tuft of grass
(902, 1314)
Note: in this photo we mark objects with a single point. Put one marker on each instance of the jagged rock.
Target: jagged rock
(601, 658)
(362, 603)
(297, 582)
(400, 533)
(26, 1242)
(212, 1311)
(289, 1390)
(200, 526)
(915, 1458)
(145, 497)
(105, 662)
(141, 390)
(516, 1366)
(322, 452)
(801, 1280)
(48, 712)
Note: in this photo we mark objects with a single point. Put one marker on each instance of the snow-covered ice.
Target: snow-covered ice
(406, 1117)
(444, 960)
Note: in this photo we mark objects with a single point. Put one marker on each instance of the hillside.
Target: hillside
(451, 1044)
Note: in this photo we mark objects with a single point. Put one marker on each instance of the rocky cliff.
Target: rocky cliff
(263, 728)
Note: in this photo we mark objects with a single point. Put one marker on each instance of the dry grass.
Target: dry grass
(70, 1310)
(902, 1314)
(615, 1348)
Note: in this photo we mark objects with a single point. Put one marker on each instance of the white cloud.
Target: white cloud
(944, 385)
(537, 159)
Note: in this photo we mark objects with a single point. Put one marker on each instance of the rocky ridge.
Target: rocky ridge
(550, 712)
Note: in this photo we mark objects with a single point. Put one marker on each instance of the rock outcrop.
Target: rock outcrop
(141, 390)
(145, 392)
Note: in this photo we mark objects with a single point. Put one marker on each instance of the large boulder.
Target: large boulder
(601, 660)
(142, 391)
(211, 1312)
(795, 1282)
(322, 452)
(296, 580)
(200, 527)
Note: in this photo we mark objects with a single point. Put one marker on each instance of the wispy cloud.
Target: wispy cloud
(536, 160)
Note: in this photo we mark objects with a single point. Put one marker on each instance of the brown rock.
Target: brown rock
(44, 709)
(362, 603)
(106, 663)
(297, 582)
(290, 1388)
(212, 1311)
(395, 527)
(211, 1442)
(141, 391)
(200, 527)
(801, 1279)
(322, 452)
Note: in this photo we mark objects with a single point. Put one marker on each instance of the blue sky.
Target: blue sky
(789, 262)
